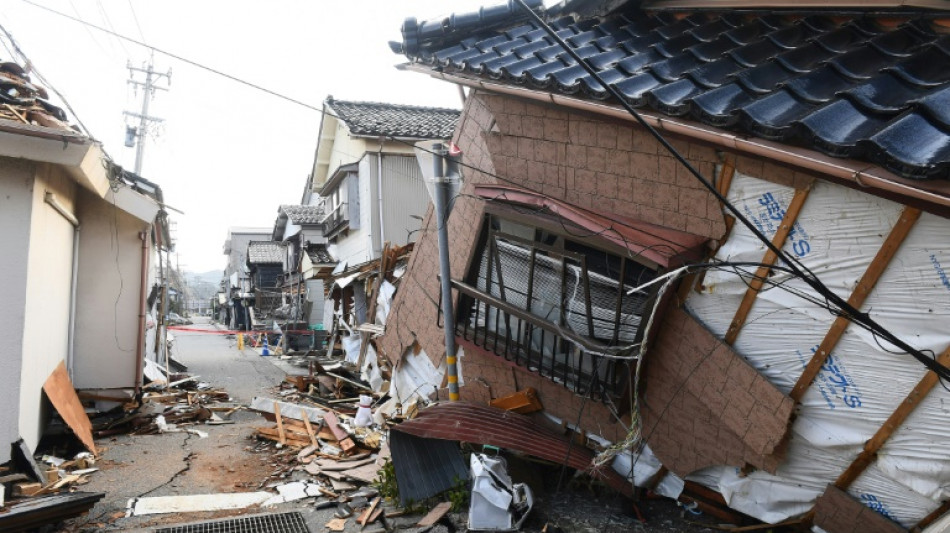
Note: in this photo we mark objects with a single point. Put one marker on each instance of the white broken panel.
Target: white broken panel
(497, 504)
(384, 301)
(296, 490)
(287, 410)
(416, 376)
(193, 503)
(351, 345)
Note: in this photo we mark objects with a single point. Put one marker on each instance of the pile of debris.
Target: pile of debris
(323, 452)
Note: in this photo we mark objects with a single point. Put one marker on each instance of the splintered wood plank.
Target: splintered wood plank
(893, 422)
(313, 438)
(364, 518)
(435, 514)
(873, 273)
(726, 174)
(762, 273)
(932, 517)
(59, 389)
(280, 424)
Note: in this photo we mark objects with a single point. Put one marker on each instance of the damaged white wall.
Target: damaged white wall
(48, 290)
(837, 234)
(107, 297)
(16, 186)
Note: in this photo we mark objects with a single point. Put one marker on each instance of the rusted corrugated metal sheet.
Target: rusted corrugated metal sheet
(478, 424)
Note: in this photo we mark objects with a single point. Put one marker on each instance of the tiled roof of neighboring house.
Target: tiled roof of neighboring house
(413, 122)
(864, 87)
(303, 214)
(318, 254)
(26, 103)
(259, 252)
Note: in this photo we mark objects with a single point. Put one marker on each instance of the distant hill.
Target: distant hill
(204, 285)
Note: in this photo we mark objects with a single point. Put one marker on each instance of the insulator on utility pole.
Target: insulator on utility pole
(135, 136)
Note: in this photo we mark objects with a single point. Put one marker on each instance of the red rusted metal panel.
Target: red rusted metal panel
(663, 246)
(479, 424)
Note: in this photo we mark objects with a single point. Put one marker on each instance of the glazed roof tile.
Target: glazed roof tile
(318, 254)
(855, 87)
(259, 252)
(378, 119)
(303, 214)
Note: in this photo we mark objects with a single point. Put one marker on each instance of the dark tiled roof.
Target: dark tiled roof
(372, 118)
(303, 214)
(259, 252)
(318, 254)
(25, 102)
(860, 88)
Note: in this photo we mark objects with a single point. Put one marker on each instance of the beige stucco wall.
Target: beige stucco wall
(16, 204)
(48, 283)
(346, 149)
(107, 298)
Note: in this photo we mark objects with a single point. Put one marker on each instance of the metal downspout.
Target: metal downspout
(379, 195)
(74, 282)
(140, 342)
(441, 200)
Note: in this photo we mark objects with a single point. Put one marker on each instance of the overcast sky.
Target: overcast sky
(226, 154)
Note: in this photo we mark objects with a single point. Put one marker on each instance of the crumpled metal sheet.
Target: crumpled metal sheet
(467, 422)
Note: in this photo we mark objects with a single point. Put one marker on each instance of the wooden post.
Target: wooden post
(893, 422)
(280, 423)
(873, 273)
(757, 282)
(726, 174)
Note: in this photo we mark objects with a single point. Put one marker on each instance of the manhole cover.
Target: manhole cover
(263, 523)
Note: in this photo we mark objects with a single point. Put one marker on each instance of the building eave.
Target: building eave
(82, 158)
(862, 174)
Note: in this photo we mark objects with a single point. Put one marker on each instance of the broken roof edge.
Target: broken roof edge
(863, 175)
(823, 5)
(81, 157)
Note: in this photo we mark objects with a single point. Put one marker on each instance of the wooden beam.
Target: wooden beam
(313, 437)
(280, 424)
(762, 273)
(893, 422)
(873, 273)
(932, 517)
(726, 174)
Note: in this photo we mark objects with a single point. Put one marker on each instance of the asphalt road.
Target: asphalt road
(184, 464)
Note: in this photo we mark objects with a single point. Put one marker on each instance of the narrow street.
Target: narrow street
(184, 464)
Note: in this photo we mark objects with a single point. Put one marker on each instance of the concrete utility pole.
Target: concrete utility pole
(136, 136)
(442, 199)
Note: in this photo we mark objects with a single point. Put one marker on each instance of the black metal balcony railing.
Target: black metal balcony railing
(556, 353)
(335, 219)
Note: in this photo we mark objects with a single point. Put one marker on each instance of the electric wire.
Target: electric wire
(802, 271)
(135, 17)
(179, 58)
(105, 16)
(44, 81)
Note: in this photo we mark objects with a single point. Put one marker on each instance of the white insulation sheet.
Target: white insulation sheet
(837, 235)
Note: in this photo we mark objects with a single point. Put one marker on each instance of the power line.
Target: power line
(136, 18)
(843, 307)
(44, 81)
(105, 16)
(178, 57)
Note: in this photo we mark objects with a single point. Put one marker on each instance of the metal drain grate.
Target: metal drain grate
(262, 523)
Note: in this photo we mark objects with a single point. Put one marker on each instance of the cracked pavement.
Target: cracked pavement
(173, 464)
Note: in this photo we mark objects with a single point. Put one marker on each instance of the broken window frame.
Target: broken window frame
(578, 360)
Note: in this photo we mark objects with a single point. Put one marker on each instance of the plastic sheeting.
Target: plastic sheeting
(837, 235)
